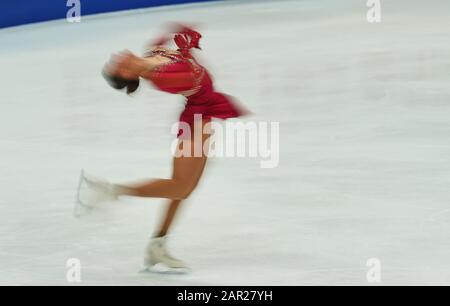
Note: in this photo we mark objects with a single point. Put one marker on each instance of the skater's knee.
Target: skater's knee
(185, 193)
(184, 189)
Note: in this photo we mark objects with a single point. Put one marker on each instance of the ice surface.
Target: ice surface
(364, 169)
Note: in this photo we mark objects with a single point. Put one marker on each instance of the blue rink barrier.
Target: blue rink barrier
(18, 12)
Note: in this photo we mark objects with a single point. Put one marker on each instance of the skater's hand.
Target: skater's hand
(126, 65)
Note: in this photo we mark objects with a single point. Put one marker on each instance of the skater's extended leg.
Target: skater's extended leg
(187, 171)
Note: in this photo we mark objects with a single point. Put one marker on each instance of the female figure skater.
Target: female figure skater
(177, 72)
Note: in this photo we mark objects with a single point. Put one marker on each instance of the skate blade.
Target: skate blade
(79, 205)
(163, 269)
(93, 199)
(81, 209)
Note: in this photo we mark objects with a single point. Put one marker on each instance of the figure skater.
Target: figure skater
(174, 71)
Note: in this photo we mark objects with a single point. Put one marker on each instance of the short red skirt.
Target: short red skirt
(211, 105)
(183, 76)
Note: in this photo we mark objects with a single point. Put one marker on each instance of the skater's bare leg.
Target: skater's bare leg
(187, 171)
(186, 174)
(168, 218)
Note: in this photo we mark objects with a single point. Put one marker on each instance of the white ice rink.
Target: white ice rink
(364, 112)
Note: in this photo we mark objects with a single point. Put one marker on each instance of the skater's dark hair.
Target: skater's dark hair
(120, 83)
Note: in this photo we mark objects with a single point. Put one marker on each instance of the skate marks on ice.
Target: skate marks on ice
(161, 269)
(170, 278)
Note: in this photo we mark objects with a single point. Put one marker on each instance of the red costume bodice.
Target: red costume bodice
(180, 76)
(185, 76)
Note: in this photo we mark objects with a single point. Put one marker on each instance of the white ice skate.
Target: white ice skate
(92, 193)
(157, 259)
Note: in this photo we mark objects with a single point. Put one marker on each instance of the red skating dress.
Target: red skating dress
(184, 76)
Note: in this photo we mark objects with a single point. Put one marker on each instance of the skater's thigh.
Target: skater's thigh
(189, 167)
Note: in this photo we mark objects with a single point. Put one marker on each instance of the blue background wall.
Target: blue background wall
(16, 12)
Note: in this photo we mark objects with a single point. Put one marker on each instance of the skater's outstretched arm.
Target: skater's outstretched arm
(128, 66)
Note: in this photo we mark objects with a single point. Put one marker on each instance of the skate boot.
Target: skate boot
(157, 259)
(105, 191)
(92, 193)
